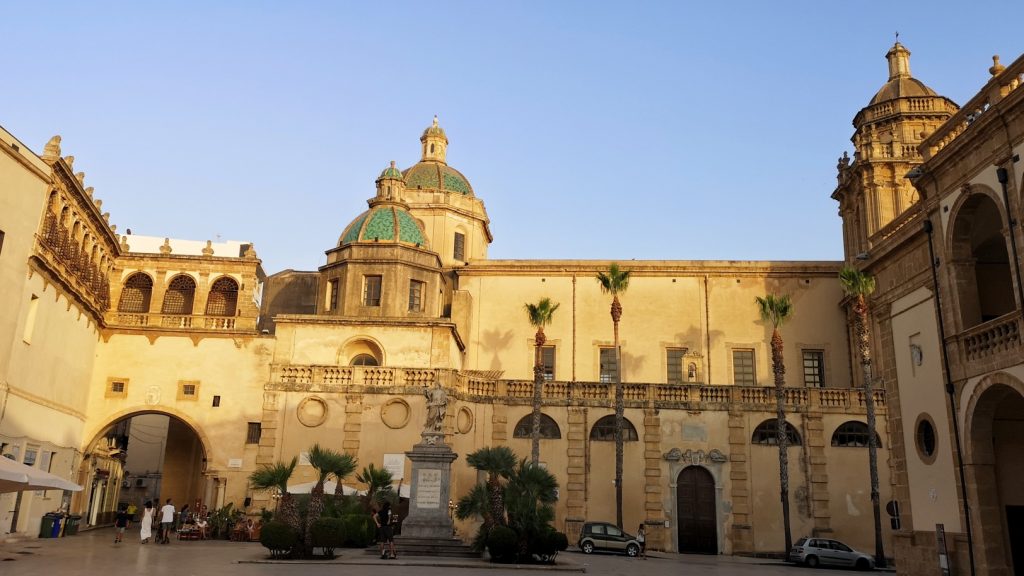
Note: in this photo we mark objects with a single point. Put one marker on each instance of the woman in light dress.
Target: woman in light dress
(147, 523)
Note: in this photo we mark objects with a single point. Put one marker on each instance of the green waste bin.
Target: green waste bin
(71, 528)
(46, 528)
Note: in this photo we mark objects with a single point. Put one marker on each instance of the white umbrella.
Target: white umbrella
(15, 477)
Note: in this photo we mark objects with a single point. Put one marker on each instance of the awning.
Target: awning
(15, 477)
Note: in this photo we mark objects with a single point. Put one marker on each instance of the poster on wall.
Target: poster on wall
(395, 463)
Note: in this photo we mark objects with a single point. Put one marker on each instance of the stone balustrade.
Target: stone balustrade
(989, 340)
(691, 396)
(191, 322)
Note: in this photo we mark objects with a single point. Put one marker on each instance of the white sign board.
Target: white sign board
(235, 463)
(428, 489)
(395, 463)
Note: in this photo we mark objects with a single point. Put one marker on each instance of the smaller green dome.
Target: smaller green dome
(384, 223)
(391, 172)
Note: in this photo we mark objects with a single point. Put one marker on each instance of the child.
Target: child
(121, 522)
(641, 537)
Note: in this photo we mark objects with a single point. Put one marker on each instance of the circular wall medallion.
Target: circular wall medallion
(925, 438)
(312, 411)
(464, 420)
(395, 413)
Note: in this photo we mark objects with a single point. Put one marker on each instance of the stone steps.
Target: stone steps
(443, 547)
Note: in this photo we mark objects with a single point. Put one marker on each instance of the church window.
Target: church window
(743, 368)
(180, 296)
(766, 434)
(548, 428)
(459, 253)
(609, 367)
(674, 361)
(135, 296)
(604, 430)
(415, 296)
(853, 434)
(431, 148)
(365, 360)
(547, 362)
(253, 434)
(814, 368)
(332, 295)
(223, 298)
(371, 290)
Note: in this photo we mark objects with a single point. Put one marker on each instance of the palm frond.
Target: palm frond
(615, 281)
(497, 460)
(542, 313)
(273, 476)
(856, 283)
(774, 309)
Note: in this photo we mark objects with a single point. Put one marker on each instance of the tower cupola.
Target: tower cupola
(899, 61)
(435, 144)
(391, 184)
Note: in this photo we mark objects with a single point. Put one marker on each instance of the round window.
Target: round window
(926, 438)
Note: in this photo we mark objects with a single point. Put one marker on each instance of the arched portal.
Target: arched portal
(142, 456)
(980, 261)
(995, 429)
(695, 508)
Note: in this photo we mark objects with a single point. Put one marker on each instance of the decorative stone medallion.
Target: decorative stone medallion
(695, 457)
(464, 420)
(395, 413)
(312, 411)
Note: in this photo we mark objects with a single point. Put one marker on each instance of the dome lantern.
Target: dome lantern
(435, 144)
(390, 184)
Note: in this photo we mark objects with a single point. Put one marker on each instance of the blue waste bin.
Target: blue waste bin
(56, 526)
(50, 526)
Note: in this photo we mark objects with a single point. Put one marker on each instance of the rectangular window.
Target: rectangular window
(460, 246)
(674, 362)
(1, 241)
(814, 368)
(188, 390)
(116, 388)
(743, 368)
(31, 452)
(216, 401)
(30, 319)
(252, 436)
(415, 296)
(371, 290)
(332, 295)
(547, 361)
(608, 366)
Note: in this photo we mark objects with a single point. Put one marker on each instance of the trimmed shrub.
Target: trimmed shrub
(279, 538)
(546, 545)
(503, 544)
(328, 533)
(359, 530)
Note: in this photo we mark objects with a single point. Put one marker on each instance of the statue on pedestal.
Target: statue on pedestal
(437, 406)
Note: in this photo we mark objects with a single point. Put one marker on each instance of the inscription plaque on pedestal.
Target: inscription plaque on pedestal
(429, 489)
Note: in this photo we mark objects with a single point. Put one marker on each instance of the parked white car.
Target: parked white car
(814, 552)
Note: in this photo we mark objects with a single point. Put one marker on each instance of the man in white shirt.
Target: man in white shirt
(166, 522)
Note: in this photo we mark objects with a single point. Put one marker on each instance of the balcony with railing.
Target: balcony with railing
(469, 386)
(991, 345)
(182, 322)
(58, 251)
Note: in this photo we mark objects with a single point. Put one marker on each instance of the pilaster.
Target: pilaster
(739, 479)
(654, 509)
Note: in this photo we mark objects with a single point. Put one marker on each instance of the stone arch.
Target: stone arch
(360, 345)
(136, 294)
(180, 296)
(992, 417)
(697, 510)
(978, 252)
(223, 297)
(604, 429)
(549, 429)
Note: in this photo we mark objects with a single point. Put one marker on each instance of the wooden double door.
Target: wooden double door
(696, 510)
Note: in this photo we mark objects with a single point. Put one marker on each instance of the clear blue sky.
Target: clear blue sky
(621, 130)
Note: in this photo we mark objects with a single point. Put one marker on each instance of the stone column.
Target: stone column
(654, 513)
(739, 479)
(576, 473)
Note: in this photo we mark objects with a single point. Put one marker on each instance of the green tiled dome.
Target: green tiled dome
(391, 172)
(385, 223)
(437, 176)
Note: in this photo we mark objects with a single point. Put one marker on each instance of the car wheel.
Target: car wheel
(811, 561)
(632, 550)
(863, 565)
(588, 548)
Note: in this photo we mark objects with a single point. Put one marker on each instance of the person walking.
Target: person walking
(146, 531)
(166, 522)
(641, 538)
(385, 532)
(121, 522)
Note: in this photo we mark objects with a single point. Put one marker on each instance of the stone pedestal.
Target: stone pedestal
(430, 489)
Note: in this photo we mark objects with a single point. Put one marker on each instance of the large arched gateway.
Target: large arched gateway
(695, 505)
(140, 456)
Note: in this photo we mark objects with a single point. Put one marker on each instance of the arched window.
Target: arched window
(980, 262)
(223, 298)
(853, 434)
(179, 297)
(548, 428)
(766, 434)
(135, 296)
(365, 360)
(604, 430)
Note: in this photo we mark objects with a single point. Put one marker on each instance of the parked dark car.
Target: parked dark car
(605, 536)
(814, 552)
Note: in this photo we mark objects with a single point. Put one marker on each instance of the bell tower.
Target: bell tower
(872, 188)
(435, 144)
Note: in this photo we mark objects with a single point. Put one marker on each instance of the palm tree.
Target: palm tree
(498, 462)
(344, 465)
(615, 282)
(530, 495)
(540, 315)
(378, 482)
(326, 462)
(276, 476)
(774, 311)
(858, 286)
